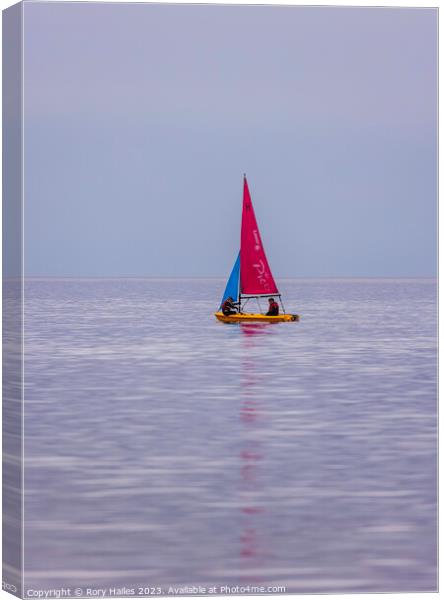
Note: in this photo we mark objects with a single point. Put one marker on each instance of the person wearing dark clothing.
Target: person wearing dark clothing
(273, 308)
(228, 307)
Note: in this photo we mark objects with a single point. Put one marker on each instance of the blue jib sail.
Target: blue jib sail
(232, 288)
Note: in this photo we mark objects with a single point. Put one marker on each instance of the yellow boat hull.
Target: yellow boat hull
(254, 317)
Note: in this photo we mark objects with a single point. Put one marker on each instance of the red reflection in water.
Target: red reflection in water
(246, 455)
(250, 329)
(249, 543)
(249, 411)
(252, 543)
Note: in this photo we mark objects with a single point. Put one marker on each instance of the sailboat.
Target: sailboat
(251, 277)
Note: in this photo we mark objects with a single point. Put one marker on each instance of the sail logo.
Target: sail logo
(257, 240)
(262, 274)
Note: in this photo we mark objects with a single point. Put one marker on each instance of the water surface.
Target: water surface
(165, 448)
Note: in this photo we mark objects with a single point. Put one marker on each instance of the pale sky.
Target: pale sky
(141, 119)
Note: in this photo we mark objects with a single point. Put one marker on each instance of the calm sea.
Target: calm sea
(164, 448)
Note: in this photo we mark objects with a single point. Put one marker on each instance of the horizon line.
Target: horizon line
(213, 277)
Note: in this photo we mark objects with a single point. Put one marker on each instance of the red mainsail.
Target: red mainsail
(255, 274)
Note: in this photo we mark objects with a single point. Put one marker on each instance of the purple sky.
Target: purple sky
(140, 120)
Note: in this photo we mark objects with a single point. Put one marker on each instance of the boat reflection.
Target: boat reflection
(254, 547)
(250, 329)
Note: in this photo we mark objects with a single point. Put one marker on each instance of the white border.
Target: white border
(327, 3)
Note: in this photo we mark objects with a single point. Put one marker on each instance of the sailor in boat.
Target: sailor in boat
(273, 308)
(229, 307)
